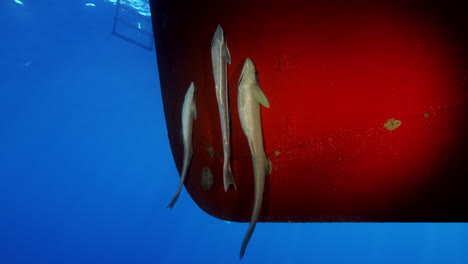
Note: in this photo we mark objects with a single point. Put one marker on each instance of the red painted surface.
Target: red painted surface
(334, 74)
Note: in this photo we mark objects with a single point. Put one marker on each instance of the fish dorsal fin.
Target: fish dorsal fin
(226, 55)
(194, 111)
(260, 96)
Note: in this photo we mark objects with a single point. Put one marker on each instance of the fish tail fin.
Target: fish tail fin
(253, 223)
(228, 178)
(246, 240)
(176, 195)
(181, 181)
(258, 200)
(174, 200)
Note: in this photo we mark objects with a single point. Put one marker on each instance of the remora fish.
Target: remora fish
(220, 57)
(189, 113)
(250, 97)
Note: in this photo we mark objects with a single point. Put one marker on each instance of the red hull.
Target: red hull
(336, 75)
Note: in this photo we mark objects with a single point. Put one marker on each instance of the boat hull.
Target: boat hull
(368, 107)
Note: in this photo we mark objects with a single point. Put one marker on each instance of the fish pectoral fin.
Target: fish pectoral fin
(260, 97)
(226, 55)
(268, 167)
(240, 78)
(194, 111)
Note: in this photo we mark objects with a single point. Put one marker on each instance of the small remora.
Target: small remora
(189, 113)
(220, 57)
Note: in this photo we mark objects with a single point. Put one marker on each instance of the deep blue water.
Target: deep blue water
(86, 170)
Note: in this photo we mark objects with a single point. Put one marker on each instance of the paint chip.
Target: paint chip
(276, 153)
(210, 151)
(392, 124)
(206, 178)
(426, 115)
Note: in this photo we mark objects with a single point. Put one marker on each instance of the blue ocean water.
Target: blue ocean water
(86, 170)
